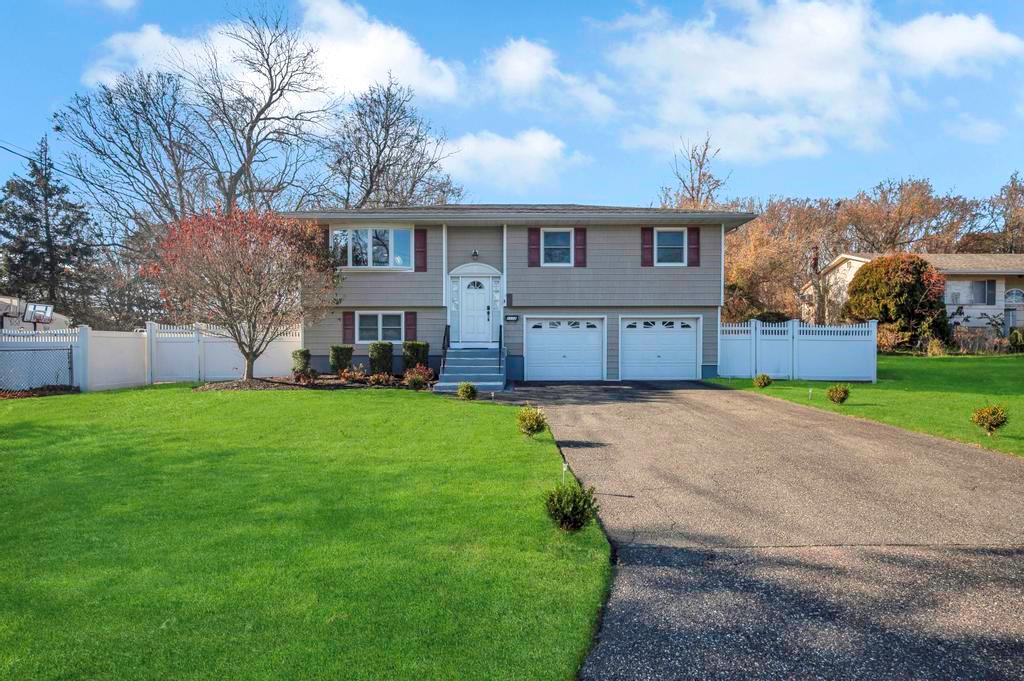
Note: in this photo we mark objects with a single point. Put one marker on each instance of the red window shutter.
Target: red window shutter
(579, 241)
(421, 250)
(533, 247)
(410, 326)
(348, 328)
(693, 247)
(647, 247)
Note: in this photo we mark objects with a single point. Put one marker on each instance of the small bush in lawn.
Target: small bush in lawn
(571, 506)
(936, 348)
(531, 420)
(418, 377)
(1016, 340)
(415, 353)
(381, 353)
(990, 419)
(838, 393)
(762, 380)
(356, 374)
(340, 357)
(466, 391)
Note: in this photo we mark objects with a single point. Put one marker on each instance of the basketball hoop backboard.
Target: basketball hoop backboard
(38, 313)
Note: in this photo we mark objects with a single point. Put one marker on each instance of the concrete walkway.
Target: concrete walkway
(755, 537)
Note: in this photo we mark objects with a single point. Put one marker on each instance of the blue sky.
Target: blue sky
(585, 102)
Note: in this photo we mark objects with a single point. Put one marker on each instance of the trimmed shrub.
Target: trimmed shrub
(762, 381)
(990, 418)
(901, 289)
(531, 420)
(340, 357)
(1016, 340)
(838, 393)
(300, 361)
(415, 353)
(771, 317)
(381, 355)
(418, 377)
(571, 506)
(466, 391)
(936, 348)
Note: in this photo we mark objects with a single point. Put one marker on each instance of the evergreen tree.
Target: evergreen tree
(47, 241)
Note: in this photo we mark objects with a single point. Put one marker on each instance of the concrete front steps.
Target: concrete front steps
(479, 366)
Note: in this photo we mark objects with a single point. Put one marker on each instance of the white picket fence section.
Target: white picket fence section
(794, 350)
(104, 360)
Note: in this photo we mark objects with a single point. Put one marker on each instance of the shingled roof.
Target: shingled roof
(530, 214)
(965, 263)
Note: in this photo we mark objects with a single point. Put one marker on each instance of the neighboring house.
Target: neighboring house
(976, 284)
(12, 310)
(532, 292)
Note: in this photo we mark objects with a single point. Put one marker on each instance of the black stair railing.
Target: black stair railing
(445, 342)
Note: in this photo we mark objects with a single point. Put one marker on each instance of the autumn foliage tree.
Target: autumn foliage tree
(903, 290)
(251, 275)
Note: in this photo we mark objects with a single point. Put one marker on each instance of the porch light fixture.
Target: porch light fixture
(476, 254)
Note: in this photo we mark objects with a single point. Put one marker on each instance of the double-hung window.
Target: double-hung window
(380, 247)
(670, 247)
(556, 247)
(983, 292)
(378, 326)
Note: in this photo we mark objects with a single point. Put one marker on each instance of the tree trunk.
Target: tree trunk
(250, 363)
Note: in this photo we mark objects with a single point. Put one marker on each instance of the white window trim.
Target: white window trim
(380, 325)
(347, 265)
(686, 237)
(1006, 296)
(572, 247)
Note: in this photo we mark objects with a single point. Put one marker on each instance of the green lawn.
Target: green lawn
(928, 394)
(161, 533)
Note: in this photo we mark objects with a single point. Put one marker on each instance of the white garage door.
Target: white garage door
(655, 349)
(564, 349)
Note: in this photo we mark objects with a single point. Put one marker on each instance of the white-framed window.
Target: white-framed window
(670, 247)
(377, 326)
(556, 246)
(376, 247)
(1015, 296)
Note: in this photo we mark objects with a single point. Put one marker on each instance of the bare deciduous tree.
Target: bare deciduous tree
(697, 185)
(211, 132)
(385, 154)
(1006, 215)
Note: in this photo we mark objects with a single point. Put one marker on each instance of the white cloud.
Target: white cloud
(530, 159)
(119, 5)
(974, 129)
(524, 73)
(789, 78)
(951, 45)
(355, 50)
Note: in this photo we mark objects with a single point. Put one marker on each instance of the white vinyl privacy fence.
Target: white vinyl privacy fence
(795, 350)
(103, 360)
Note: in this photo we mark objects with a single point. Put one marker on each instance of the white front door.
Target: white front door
(476, 309)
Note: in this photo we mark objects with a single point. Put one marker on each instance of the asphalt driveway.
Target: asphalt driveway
(755, 537)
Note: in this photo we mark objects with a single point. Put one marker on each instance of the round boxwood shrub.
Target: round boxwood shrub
(990, 418)
(571, 506)
(381, 355)
(340, 357)
(762, 381)
(531, 420)
(838, 393)
(466, 391)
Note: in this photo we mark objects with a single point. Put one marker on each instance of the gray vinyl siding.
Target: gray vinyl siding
(709, 347)
(463, 240)
(367, 288)
(613, 275)
(321, 335)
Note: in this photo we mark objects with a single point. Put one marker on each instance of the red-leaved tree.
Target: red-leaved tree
(252, 275)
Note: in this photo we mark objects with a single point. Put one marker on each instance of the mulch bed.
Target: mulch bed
(43, 391)
(285, 383)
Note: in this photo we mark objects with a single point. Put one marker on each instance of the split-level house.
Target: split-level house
(979, 286)
(530, 292)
